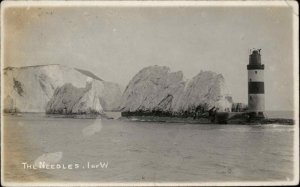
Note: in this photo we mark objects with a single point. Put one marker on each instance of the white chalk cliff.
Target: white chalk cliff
(29, 89)
(157, 88)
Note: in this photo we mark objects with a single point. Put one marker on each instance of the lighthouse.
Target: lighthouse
(256, 88)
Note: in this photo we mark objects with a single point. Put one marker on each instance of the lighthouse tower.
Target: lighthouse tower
(256, 90)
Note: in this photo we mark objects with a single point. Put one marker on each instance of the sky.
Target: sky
(116, 42)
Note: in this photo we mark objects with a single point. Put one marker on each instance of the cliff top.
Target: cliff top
(84, 72)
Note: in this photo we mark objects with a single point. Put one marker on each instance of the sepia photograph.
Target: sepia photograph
(149, 93)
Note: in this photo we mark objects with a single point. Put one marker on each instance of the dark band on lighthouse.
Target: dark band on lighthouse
(256, 88)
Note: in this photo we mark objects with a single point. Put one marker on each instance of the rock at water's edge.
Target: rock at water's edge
(156, 89)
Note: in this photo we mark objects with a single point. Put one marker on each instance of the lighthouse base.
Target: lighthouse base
(253, 116)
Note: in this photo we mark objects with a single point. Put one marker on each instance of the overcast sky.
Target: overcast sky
(115, 43)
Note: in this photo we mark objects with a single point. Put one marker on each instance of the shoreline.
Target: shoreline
(237, 120)
(280, 121)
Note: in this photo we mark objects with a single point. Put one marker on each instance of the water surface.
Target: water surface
(145, 151)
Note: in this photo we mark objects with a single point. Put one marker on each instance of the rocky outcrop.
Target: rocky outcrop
(29, 89)
(72, 100)
(156, 89)
(153, 87)
(239, 107)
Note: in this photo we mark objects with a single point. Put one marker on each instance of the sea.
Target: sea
(39, 148)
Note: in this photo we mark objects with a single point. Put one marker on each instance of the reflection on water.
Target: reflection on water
(48, 158)
(143, 152)
(92, 129)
